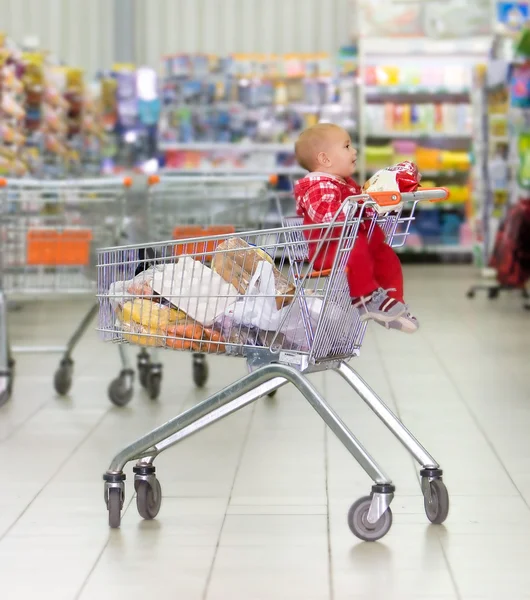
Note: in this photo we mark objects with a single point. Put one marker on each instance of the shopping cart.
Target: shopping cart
(184, 206)
(285, 319)
(49, 232)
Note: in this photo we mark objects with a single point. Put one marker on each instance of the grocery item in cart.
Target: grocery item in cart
(236, 262)
(194, 288)
(149, 323)
(403, 177)
(259, 308)
(186, 284)
(150, 314)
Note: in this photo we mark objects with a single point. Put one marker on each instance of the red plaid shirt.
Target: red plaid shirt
(318, 199)
(319, 196)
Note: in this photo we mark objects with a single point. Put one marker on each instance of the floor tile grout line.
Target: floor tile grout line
(328, 508)
(100, 555)
(393, 395)
(56, 472)
(478, 424)
(449, 569)
(21, 425)
(123, 513)
(236, 473)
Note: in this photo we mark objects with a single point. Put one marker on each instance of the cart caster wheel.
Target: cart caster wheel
(5, 395)
(359, 525)
(200, 370)
(114, 507)
(493, 293)
(121, 389)
(437, 508)
(62, 380)
(153, 384)
(148, 498)
(143, 363)
(471, 294)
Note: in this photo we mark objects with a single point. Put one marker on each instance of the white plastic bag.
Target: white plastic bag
(258, 309)
(195, 289)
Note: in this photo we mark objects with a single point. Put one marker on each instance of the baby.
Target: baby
(374, 274)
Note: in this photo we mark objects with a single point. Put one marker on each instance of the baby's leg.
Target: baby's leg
(387, 266)
(360, 268)
(389, 274)
(365, 290)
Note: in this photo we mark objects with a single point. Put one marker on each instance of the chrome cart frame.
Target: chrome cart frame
(328, 339)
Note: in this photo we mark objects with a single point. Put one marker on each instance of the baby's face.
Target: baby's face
(341, 154)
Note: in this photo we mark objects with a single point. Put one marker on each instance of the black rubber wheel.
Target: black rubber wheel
(153, 385)
(143, 363)
(143, 375)
(11, 376)
(493, 293)
(5, 395)
(120, 391)
(62, 380)
(200, 372)
(359, 525)
(148, 498)
(114, 508)
(471, 294)
(438, 508)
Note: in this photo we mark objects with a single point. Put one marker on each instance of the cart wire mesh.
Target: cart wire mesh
(231, 294)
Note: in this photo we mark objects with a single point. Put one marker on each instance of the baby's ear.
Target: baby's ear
(323, 159)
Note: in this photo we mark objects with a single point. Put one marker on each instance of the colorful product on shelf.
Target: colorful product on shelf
(520, 86)
(447, 77)
(264, 98)
(427, 159)
(423, 118)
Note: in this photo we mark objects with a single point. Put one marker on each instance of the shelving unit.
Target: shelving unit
(416, 103)
(246, 111)
(503, 155)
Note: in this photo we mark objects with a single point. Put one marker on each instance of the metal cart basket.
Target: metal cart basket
(252, 295)
(49, 232)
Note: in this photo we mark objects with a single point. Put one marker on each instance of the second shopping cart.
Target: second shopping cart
(49, 232)
(184, 206)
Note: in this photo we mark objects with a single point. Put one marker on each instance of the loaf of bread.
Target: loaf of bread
(236, 261)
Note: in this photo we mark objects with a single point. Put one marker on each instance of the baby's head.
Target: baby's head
(326, 148)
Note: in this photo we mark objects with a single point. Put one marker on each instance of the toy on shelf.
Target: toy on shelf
(13, 160)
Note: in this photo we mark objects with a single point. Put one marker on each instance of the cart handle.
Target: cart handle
(385, 198)
(66, 183)
(182, 177)
(435, 194)
(394, 198)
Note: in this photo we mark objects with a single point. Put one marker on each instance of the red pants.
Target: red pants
(372, 262)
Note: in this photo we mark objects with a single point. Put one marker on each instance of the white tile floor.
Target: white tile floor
(255, 507)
